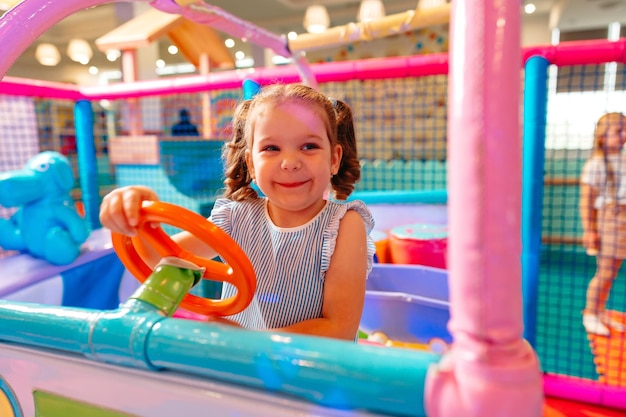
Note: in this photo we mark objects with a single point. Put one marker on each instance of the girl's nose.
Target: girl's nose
(291, 162)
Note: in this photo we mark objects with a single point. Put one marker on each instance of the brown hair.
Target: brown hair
(602, 126)
(337, 117)
(599, 146)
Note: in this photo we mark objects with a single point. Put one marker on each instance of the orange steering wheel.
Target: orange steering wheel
(237, 270)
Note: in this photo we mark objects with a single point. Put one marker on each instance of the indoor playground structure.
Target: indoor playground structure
(453, 324)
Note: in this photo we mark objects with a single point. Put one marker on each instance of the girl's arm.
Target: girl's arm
(344, 288)
(119, 212)
(589, 216)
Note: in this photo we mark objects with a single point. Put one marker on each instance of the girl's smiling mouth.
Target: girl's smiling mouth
(291, 184)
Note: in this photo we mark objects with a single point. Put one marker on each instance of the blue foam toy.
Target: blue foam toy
(46, 224)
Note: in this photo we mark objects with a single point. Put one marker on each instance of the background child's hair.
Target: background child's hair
(336, 115)
(602, 126)
(599, 147)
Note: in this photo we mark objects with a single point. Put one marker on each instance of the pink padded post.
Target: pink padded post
(490, 370)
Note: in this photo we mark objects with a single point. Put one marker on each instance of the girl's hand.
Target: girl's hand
(591, 241)
(119, 210)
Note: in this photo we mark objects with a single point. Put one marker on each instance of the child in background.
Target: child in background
(311, 255)
(603, 214)
(184, 127)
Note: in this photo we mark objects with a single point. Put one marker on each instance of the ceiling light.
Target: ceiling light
(79, 50)
(316, 19)
(8, 4)
(370, 10)
(431, 4)
(113, 54)
(229, 43)
(172, 49)
(47, 54)
(530, 8)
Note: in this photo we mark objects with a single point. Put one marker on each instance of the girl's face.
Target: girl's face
(291, 160)
(615, 133)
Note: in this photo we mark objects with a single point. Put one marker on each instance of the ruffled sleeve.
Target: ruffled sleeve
(331, 232)
(221, 215)
(593, 172)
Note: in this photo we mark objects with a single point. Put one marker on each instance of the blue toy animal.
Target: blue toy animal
(46, 224)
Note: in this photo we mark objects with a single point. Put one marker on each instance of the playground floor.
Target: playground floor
(610, 354)
(562, 344)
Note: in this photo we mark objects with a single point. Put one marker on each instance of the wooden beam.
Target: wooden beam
(561, 240)
(561, 181)
(194, 39)
(139, 31)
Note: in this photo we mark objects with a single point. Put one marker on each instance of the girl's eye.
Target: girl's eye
(269, 148)
(310, 146)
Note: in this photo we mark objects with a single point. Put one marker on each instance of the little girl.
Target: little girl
(603, 215)
(311, 255)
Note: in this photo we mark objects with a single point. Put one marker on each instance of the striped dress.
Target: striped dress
(290, 263)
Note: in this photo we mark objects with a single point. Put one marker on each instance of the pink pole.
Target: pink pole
(580, 52)
(133, 106)
(29, 19)
(207, 14)
(490, 370)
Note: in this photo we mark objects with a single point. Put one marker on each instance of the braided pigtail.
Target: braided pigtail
(238, 178)
(350, 169)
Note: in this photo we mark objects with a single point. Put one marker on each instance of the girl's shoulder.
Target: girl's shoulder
(594, 171)
(340, 208)
(225, 203)
(594, 162)
(226, 210)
